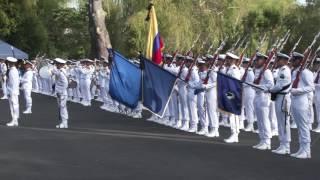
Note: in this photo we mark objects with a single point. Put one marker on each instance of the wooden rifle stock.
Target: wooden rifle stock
(265, 67)
(190, 69)
(205, 81)
(302, 66)
(249, 64)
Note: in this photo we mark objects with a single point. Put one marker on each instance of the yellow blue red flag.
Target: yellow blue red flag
(155, 43)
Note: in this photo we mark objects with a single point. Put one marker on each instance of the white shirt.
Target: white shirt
(103, 76)
(26, 80)
(283, 78)
(305, 85)
(13, 81)
(61, 81)
(266, 82)
(3, 69)
(86, 72)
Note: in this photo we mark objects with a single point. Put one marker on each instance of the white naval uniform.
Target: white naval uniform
(75, 73)
(282, 107)
(26, 85)
(85, 82)
(201, 104)
(35, 83)
(69, 76)
(272, 110)
(262, 104)
(104, 78)
(224, 116)
(300, 108)
(61, 85)
(13, 83)
(3, 71)
(211, 103)
(182, 91)
(192, 99)
(173, 105)
(233, 71)
(317, 97)
(248, 98)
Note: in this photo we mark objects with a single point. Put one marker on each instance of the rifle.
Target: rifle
(295, 45)
(285, 42)
(310, 63)
(183, 63)
(305, 58)
(282, 43)
(193, 63)
(211, 46)
(242, 54)
(173, 57)
(253, 57)
(234, 45)
(271, 54)
(190, 68)
(193, 44)
(215, 57)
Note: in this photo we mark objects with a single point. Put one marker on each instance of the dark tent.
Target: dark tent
(7, 50)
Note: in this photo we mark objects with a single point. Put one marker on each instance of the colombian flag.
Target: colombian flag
(155, 43)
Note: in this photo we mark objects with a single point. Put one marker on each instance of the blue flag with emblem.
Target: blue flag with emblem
(229, 94)
(157, 87)
(125, 81)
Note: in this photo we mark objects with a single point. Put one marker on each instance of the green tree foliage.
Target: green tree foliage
(49, 27)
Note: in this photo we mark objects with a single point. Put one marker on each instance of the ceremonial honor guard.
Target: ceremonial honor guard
(3, 78)
(248, 96)
(317, 94)
(61, 91)
(272, 107)
(211, 100)
(104, 76)
(35, 81)
(280, 95)
(233, 71)
(182, 86)
(201, 103)
(13, 90)
(264, 81)
(86, 71)
(192, 79)
(26, 85)
(302, 85)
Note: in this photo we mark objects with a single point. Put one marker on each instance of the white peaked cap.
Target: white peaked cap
(233, 56)
(59, 60)
(12, 59)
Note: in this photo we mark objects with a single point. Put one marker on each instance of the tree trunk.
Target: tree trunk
(100, 39)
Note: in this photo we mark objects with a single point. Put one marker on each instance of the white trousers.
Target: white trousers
(28, 98)
(317, 103)
(211, 100)
(85, 89)
(248, 98)
(203, 118)
(192, 106)
(273, 116)
(14, 106)
(62, 105)
(261, 104)
(300, 110)
(35, 86)
(4, 87)
(105, 96)
(184, 111)
(283, 120)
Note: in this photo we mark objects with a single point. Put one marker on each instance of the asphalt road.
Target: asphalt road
(104, 145)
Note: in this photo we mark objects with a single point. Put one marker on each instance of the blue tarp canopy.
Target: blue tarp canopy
(7, 50)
